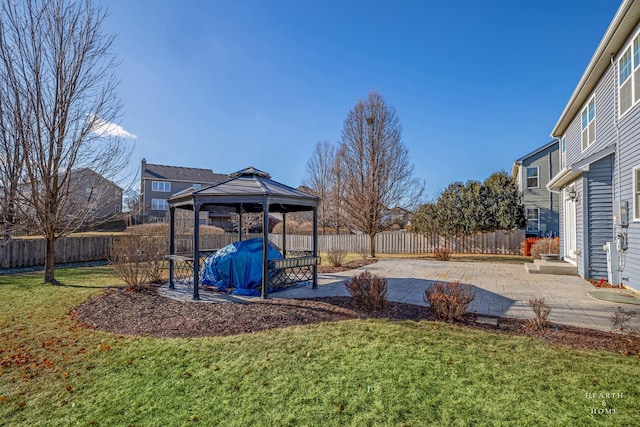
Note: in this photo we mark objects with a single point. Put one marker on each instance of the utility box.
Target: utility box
(620, 213)
(612, 263)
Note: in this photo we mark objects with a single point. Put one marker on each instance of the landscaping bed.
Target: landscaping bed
(150, 314)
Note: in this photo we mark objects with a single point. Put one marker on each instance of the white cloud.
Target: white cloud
(104, 128)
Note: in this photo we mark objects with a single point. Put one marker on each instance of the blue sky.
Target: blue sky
(227, 84)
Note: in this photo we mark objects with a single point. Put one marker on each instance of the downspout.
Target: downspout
(550, 193)
(617, 181)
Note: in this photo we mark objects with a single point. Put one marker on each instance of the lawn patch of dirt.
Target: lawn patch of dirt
(150, 314)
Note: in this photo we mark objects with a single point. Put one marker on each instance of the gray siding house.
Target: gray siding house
(599, 180)
(92, 198)
(159, 182)
(532, 173)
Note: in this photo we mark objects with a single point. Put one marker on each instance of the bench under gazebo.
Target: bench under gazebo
(250, 191)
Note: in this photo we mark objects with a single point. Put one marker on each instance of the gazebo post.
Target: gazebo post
(239, 210)
(196, 250)
(265, 248)
(284, 234)
(315, 247)
(172, 240)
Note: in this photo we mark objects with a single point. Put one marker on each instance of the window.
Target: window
(532, 177)
(629, 76)
(159, 205)
(117, 208)
(196, 186)
(533, 219)
(589, 124)
(161, 186)
(563, 152)
(87, 192)
(636, 193)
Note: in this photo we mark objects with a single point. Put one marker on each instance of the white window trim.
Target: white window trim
(526, 176)
(538, 220)
(595, 115)
(155, 201)
(623, 50)
(161, 184)
(636, 213)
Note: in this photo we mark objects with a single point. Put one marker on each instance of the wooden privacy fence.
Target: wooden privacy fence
(18, 253)
(498, 242)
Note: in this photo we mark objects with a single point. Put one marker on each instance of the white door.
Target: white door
(569, 227)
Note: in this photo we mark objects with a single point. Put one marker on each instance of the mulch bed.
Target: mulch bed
(149, 314)
(603, 284)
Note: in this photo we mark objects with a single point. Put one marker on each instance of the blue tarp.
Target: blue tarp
(239, 266)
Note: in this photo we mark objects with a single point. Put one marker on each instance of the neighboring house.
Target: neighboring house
(532, 173)
(397, 219)
(102, 197)
(159, 182)
(599, 135)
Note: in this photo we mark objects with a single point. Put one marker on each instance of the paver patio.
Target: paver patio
(501, 289)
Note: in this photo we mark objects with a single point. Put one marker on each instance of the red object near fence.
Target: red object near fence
(527, 244)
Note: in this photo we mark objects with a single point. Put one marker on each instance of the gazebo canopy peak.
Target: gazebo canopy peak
(250, 171)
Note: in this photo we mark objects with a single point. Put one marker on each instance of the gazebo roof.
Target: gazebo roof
(248, 189)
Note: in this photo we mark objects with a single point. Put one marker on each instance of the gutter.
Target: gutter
(597, 66)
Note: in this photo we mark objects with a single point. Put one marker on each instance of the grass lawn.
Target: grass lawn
(359, 372)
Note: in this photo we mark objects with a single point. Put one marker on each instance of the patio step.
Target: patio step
(551, 267)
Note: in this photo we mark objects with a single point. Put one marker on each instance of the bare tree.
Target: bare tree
(337, 193)
(251, 222)
(59, 68)
(11, 154)
(319, 176)
(375, 166)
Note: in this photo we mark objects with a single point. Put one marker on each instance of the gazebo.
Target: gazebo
(248, 191)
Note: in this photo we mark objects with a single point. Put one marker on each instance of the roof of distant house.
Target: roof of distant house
(536, 151)
(180, 173)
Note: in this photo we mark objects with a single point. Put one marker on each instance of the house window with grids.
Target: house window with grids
(589, 124)
(162, 186)
(636, 193)
(159, 204)
(533, 219)
(629, 76)
(532, 177)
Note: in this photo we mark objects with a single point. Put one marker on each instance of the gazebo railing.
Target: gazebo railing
(287, 272)
(183, 266)
(283, 273)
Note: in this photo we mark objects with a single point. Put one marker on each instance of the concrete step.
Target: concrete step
(551, 267)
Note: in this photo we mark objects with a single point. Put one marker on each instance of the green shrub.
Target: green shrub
(449, 301)
(369, 291)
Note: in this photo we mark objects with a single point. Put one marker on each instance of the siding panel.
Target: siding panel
(599, 181)
(548, 164)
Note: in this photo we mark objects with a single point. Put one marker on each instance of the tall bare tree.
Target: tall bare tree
(11, 153)
(319, 176)
(59, 68)
(375, 166)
